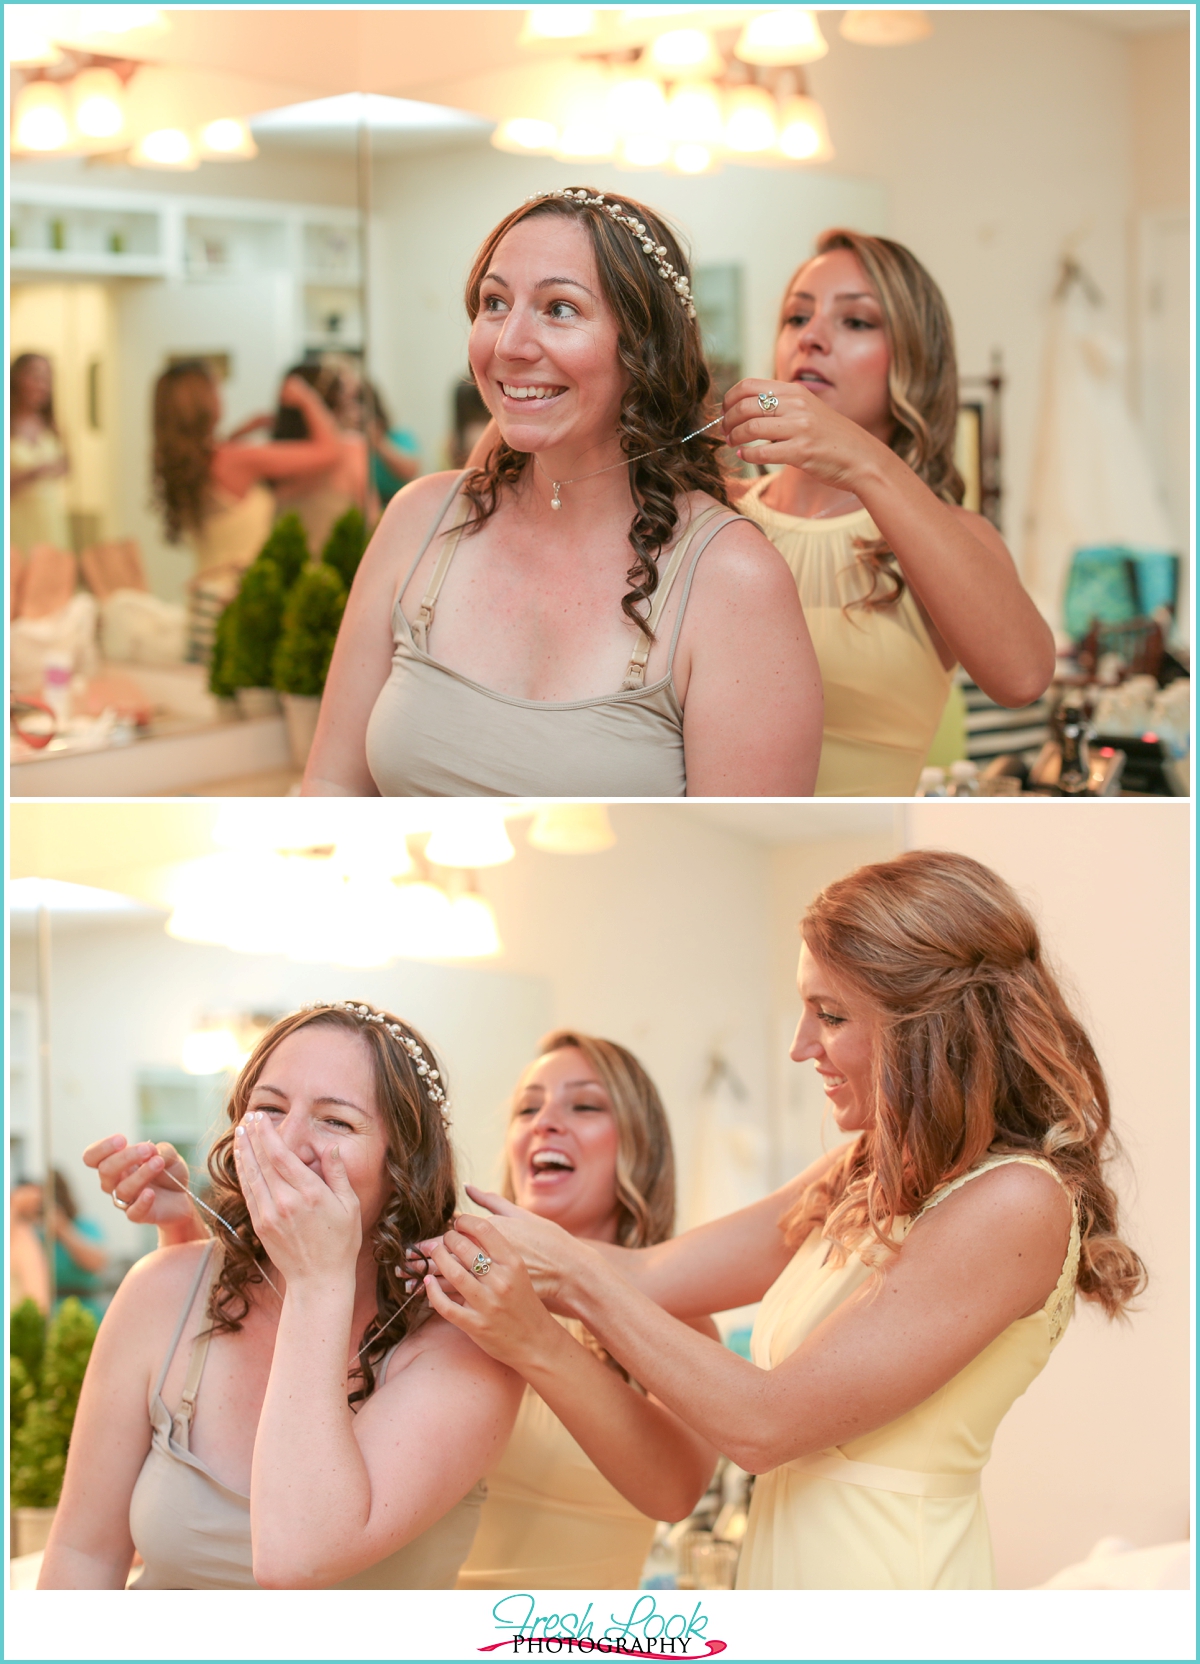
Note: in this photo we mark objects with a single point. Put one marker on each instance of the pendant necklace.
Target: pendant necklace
(555, 498)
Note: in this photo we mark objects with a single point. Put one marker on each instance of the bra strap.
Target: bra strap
(635, 676)
(420, 624)
(709, 534)
(202, 1267)
(181, 1422)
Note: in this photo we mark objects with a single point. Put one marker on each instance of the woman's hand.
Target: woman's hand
(549, 1253)
(497, 1307)
(308, 1222)
(147, 1179)
(801, 432)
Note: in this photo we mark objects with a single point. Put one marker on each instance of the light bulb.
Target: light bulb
(884, 28)
(29, 36)
(524, 133)
(98, 100)
(637, 104)
(584, 139)
(120, 20)
(229, 139)
(572, 829)
(684, 50)
(791, 36)
(40, 120)
(644, 150)
(692, 158)
(750, 122)
(694, 113)
(473, 837)
(557, 23)
(803, 134)
(167, 147)
(471, 932)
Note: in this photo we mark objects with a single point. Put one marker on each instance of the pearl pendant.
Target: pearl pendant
(555, 500)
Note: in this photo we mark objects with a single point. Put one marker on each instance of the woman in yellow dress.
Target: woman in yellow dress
(37, 458)
(899, 583)
(913, 1282)
(592, 1462)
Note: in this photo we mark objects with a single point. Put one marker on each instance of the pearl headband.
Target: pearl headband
(430, 1078)
(656, 252)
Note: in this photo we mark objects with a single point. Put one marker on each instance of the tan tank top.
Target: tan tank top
(193, 1532)
(436, 733)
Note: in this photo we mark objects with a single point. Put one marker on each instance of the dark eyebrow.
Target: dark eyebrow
(546, 283)
(262, 1086)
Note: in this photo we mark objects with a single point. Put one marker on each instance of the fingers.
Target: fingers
(491, 1201)
(333, 1171)
(95, 1153)
(129, 1174)
(482, 1233)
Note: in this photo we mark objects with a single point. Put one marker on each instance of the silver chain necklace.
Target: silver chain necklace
(556, 500)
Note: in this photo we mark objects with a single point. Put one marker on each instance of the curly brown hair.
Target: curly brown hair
(669, 386)
(420, 1168)
(922, 382)
(978, 1054)
(186, 408)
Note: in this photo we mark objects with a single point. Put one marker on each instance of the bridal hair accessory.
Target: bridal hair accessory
(430, 1078)
(656, 252)
(625, 462)
(768, 403)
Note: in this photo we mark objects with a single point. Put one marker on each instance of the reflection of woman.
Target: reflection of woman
(214, 495)
(592, 1462)
(28, 1272)
(494, 616)
(37, 457)
(915, 1281)
(395, 454)
(898, 582)
(79, 1254)
(321, 497)
(216, 1433)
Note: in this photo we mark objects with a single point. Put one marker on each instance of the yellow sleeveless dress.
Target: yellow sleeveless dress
(885, 686)
(551, 1519)
(900, 1507)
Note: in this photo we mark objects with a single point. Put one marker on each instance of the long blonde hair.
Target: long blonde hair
(978, 1053)
(645, 1156)
(922, 381)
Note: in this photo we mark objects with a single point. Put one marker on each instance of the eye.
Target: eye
(797, 320)
(596, 1109)
(526, 1109)
(333, 1121)
(492, 303)
(829, 1018)
(563, 310)
(861, 323)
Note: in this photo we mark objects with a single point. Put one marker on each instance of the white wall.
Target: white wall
(1099, 1445)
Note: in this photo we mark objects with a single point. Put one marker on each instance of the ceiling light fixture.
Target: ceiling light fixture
(557, 23)
(166, 147)
(750, 120)
(686, 51)
(98, 103)
(41, 120)
(792, 36)
(227, 140)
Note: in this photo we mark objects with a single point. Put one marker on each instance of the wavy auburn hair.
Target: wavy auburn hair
(185, 419)
(420, 1168)
(669, 387)
(645, 1177)
(978, 1054)
(922, 381)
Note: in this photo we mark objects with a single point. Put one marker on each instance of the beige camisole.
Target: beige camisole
(193, 1532)
(436, 733)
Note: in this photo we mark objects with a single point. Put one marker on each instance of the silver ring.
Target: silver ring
(481, 1265)
(767, 403)
(118, 1203)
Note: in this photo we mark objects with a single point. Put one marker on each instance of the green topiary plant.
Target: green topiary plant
(254, 632)
(345, 546)
(310, 625)
(27, 1336)
(220, 672)
(286, 549)
(39, 1445)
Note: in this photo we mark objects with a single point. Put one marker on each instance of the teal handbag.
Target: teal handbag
(1112, 585)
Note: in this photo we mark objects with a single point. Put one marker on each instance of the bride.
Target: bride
(584, 615)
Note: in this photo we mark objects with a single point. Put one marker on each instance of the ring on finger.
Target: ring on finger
(768, 403)
(118, 1203)
(481, 1264)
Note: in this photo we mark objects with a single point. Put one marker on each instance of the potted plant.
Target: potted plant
(44, 1396)
(287, 549)
(346, 545)
(220, 670)
(254, 633)
(311, 617)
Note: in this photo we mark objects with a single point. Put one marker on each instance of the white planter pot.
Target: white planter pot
(254, 702)
(300, 712)
(30, 1529)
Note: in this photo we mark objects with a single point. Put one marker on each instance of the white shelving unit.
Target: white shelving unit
(60, 231)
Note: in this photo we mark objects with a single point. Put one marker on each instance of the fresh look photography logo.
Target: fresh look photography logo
(647, 1631)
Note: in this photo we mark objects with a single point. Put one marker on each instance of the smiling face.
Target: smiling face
(318, 1087)
(544, 341)
(833, 342)
(562, 1146)
(839, 1034)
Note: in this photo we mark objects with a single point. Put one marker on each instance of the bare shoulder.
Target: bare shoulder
(440, 1346)
(979, 526)
(1003, 1209)
(741, 561)
(152, 1294)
